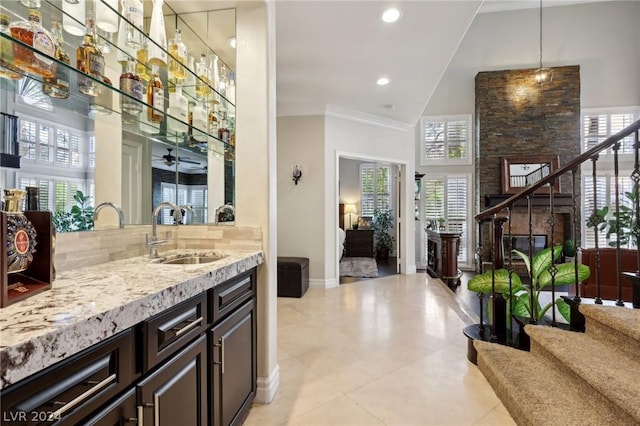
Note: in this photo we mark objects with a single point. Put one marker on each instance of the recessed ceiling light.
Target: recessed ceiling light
(382, 81)
(391, 15)
(232, 42)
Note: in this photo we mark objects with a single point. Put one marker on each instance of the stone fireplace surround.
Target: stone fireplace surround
(515, 117)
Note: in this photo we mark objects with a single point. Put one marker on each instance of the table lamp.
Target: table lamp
(350, 209)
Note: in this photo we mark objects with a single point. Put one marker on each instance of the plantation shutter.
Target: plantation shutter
(434, 199)
(375, 188)
(62, 147)
(27, 138)
(588, 206)
(168, 194)
(197, 204)
(45, 144)
(446, 139)
(61, 196)
(75, 150)
(457, 212)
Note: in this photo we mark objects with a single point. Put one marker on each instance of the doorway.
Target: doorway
(364, 184)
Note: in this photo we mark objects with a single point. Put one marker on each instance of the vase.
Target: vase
(21, 236)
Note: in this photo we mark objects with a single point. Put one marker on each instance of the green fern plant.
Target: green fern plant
(519, 298)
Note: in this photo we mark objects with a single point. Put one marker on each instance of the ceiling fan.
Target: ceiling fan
(169, 159)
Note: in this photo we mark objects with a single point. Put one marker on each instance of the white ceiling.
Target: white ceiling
(329, 53)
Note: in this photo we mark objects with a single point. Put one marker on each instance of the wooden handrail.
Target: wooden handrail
(571, 165)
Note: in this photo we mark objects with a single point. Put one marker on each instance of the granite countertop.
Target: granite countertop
(87, 305)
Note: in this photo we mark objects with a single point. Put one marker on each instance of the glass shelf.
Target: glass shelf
(81, 104)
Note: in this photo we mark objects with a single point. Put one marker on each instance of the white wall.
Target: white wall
(600, 37)
(376, 140)
(256, 191)
(300, 207)
(350, 182)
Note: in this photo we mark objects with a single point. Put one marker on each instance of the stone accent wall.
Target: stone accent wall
(516, 117)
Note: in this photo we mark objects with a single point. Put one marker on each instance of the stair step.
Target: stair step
(593, 365)
(618, 326)
(536, 393)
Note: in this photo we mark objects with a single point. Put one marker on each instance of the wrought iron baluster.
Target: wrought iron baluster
(616, 174)
(596, 221)
(553, 269)
(532, 317)
(574, 227)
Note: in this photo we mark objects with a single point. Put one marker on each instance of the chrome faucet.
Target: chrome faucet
(190, 210)
(225, 213)
(115, 207)
(153, 242)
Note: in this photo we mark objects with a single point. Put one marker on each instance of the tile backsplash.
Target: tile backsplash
(79, 249)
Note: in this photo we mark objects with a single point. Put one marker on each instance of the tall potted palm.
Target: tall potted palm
(382, 224)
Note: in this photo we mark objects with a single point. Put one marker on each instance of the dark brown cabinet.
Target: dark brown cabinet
(176, 393)
(192, 365)
(359, 243)
(442, 256)
(233, 366)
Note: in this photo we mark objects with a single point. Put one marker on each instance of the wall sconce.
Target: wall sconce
(297, 174)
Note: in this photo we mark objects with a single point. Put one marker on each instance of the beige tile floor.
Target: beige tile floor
(385, 351)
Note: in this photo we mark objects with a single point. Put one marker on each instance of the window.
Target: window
(606, 196)
(448, 197)
(446, 139)
(375, 188)
(597, 125)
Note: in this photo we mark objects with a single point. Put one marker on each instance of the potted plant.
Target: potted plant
(519, 297)
(441, 223)
(80, 218)
(569, 251)
(381, 224)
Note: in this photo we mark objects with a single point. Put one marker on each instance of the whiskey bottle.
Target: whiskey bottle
(204, 75)
(58, 87)
(155, 97)
(178, 57)
(223, 84)
(131, 85)
(7, 69)
(103, 103)
(133, 11)
(34, 35)
(213, 121)
(90, 61)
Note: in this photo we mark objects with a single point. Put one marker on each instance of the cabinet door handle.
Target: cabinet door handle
(221, 346)
(140, 415)
(189, 327)
(82, 397)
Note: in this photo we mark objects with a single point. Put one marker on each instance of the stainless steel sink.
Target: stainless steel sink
(191, 260)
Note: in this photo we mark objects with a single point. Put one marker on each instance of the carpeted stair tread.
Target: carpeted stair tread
(535, 394)
(624, 320)
(605, 368)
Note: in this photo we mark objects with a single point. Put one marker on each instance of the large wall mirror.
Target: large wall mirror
(66, 146)
(523, 171)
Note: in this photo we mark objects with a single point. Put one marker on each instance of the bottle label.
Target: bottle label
(158, 99)
(96, 65)
(44, 44)
(21, 241)
(132, 88)
(133, 12)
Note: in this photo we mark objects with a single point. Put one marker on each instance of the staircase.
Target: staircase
(570, 378)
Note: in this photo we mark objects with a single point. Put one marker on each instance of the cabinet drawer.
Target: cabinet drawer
(228, 296)
(169, 331)
(71, 389)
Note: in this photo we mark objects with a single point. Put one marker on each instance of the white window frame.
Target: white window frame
(388, 195)
(633, 110)
(466, 248)
(467, 159)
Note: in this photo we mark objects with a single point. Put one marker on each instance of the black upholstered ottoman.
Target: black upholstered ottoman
(293, 276)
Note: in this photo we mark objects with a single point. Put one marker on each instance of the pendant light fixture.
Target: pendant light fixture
(542, 75)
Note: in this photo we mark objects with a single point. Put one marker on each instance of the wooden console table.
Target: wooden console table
(359, 243)
(442, 256)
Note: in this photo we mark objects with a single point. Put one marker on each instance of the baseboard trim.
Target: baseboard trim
(329, 283)
(267, 387)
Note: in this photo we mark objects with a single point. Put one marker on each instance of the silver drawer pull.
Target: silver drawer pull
(221, 346)
(82, 397)
(189, 327)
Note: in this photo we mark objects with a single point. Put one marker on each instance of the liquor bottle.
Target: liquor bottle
(178, 59)
(231, 89)
(133, 11)
(142, 56)
(223, 84)
(178, 108)
(190, 79)
(213, 121)
(32, 34)
(215, 74)
(155, 97)
(131, 85)
(223, 132)
(58, 87)
(90, 61)
(157, 33)
(204, 75)
(31, 4)
(21, 237)
(7, 69)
